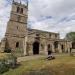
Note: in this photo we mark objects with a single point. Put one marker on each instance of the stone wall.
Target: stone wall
(18, 36)
(62, 46)
(0, 46)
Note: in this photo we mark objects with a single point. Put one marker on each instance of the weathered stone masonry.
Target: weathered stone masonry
(30, 41)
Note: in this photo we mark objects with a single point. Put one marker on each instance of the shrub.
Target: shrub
(7, 50)
(12, 61)
(6, 63)
(3, 66)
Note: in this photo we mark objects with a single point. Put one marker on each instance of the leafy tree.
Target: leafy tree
(71, 36)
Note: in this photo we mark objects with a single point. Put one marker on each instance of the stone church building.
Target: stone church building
(30, 41)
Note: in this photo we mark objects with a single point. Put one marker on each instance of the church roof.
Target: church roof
(40, 31)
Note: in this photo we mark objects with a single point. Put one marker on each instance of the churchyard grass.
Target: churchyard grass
(63, 65)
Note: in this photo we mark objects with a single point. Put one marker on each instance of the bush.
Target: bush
(7, 50)
(3, 66)
(18, 52)
(12, 61)
(7, 63)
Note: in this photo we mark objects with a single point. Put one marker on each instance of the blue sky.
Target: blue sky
(49, 15)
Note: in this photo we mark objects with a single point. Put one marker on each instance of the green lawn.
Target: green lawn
(64, 65)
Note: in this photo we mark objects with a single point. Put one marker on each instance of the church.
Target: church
(30, 41)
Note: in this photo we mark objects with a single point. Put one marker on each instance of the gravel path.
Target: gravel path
(26, 58)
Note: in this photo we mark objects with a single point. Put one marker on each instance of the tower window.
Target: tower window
(37, 34)
(17, 27)
(17, 44)
(18, 9)
(21, 10)
(73, 45)
(56, 35)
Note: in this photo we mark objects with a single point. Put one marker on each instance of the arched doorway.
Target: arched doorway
(49, 49)
(35, 48)
(62, 47)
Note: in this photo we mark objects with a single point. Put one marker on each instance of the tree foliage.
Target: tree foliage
(71, 36)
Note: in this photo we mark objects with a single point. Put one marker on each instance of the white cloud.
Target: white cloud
(62, 12)
(4, 16)
(49, 15)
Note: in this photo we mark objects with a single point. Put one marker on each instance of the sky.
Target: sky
(49, 15)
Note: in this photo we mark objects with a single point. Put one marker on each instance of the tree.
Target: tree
(71, 36)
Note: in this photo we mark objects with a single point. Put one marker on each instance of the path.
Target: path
(26, 58)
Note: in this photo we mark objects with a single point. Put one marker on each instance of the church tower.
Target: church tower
(17, 26)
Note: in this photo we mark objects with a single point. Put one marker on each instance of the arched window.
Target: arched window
(56, 44)
(55, 35)
(17, 27)
(49, 35)
(18, 9)
(17, 44)
(37, 34)
(21, 10)
(73, 45)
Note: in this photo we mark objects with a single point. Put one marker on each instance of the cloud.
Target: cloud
(4, 16)
(48, 15)
(61, 11)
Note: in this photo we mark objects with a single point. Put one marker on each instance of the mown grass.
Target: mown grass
(64, 65)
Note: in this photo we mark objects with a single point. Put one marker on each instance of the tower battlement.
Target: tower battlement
(20, 4)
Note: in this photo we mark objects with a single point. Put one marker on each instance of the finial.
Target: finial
(20, 1)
